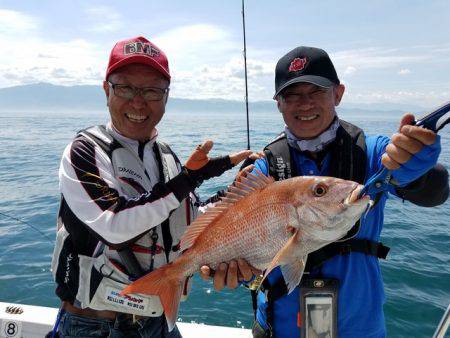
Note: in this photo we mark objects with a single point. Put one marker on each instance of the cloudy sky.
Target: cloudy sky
(384, 51)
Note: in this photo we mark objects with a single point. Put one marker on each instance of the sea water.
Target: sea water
(416, 274)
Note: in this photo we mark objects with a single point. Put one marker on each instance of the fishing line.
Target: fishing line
(27, 224)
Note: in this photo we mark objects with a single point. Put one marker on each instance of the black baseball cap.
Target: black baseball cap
(305, 64)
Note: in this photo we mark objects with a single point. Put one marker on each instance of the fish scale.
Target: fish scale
(255, 244)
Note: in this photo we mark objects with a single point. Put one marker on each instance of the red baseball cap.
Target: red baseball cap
(138, 50)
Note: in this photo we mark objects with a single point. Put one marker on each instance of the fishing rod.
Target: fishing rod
(245, 72)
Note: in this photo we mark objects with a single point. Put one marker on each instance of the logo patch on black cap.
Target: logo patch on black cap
(298, 64)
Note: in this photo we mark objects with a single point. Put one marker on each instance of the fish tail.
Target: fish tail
(167, 282)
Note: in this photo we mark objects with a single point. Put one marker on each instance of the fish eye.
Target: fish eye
(320, 189)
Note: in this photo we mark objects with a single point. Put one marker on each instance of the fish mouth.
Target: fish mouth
(352, 198)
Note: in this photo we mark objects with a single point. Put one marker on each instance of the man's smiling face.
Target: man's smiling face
(136, 118)
(307, 109)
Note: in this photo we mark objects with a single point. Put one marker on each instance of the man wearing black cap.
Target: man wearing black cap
(341, 292)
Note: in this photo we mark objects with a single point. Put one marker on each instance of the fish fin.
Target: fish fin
(165, 283)
(234, 194)
(254, 182)
(293, 272)
(246, 185)
(286, 255)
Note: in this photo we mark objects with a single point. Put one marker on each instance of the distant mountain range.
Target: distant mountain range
(45, 96)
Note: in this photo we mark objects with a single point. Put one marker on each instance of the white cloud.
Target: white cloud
(433, 48)
(260, 68)
(404, 71)
(369, 61)
(58, 63)
(423, 98)
(104, 19)
(349, 70)
(375, 58)
(193, 36)
(206, 62)
(225, 80)
(16, 23)
(30, 57)
(194, 45)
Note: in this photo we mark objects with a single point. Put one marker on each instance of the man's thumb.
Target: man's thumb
(200, 156)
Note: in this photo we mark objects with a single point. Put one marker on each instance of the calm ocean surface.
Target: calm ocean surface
(416, 275)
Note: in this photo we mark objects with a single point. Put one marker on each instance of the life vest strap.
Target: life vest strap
(364, 246)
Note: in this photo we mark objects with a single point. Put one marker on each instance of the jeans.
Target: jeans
(122, 327)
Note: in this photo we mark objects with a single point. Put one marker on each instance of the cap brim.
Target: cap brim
(314, 79)
(140, 59)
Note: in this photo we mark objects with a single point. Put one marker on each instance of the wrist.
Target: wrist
(181, 185)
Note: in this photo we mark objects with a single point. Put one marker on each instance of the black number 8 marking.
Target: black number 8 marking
(11, 329)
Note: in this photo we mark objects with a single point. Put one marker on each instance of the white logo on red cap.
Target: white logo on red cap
(297, 64)
(140, 48)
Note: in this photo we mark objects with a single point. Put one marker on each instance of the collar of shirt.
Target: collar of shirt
(316, 144)
(143, 150)
(135, 143)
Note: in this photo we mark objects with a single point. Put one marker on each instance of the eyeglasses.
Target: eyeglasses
(315, 95)
(147, 93)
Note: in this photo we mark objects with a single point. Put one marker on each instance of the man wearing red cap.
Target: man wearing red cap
(125, 203)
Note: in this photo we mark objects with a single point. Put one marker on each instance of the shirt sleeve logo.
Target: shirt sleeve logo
(297, 64)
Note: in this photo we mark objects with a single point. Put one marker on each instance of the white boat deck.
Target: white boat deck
(37, 321)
